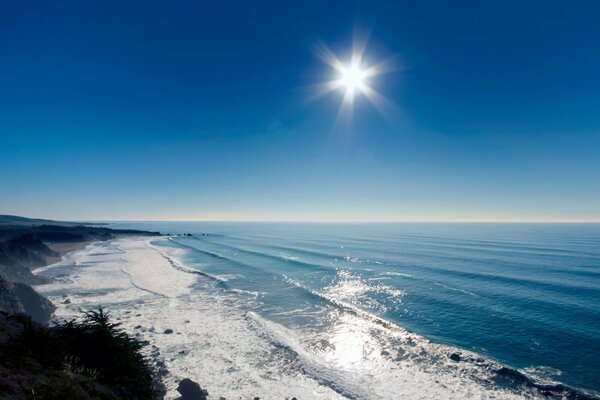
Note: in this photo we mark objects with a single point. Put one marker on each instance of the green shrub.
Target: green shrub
(90, 352)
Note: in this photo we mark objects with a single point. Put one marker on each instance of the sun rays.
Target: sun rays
(353, 76)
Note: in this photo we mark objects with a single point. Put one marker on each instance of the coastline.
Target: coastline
(125, 275)
(138, 284)
(36, 354)
(189, 332)
(27, 244)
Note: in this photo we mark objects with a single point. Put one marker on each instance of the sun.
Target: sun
(352, 77)
(355, 76)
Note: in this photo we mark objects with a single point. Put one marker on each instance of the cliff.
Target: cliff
(26, 244)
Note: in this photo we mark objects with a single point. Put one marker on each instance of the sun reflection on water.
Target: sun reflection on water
(352, 289)
(351, 342)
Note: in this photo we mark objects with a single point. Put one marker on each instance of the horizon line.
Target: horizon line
(224, 218)
(465, 221)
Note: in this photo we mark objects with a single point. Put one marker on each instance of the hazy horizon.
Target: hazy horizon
(349, 221)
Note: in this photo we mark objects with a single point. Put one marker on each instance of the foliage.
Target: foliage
(89, 354)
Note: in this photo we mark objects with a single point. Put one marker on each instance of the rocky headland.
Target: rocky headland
(27, 244)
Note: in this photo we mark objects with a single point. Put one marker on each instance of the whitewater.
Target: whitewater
(242, 321)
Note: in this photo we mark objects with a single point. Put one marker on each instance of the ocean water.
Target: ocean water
(365, 309)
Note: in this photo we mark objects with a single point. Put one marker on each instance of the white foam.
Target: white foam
(397, 274)
(455, 289)
(237, 354)
(151, 270)
(360, 366)
(543, 374)
(211, 342)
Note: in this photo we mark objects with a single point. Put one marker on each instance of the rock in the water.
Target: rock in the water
(191, 390)
(455, 357)
(168, 331)
(67, 301)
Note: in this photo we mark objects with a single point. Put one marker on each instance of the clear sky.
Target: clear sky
(205, 110)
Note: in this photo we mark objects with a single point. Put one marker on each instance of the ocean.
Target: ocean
(376, 310)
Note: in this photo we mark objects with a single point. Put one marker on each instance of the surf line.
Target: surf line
(135, 285)
(180, 267)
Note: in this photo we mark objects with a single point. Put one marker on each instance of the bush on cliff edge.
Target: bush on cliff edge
(85, 358)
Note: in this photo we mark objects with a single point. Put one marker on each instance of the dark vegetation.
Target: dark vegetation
(87, 358)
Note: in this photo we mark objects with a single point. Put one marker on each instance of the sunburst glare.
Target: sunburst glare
(353, 77)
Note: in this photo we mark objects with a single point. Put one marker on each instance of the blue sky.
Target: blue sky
(203, 110)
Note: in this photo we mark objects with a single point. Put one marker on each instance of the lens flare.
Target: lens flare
(353, 77)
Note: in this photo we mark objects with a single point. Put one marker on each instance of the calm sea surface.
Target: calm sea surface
(526, 295)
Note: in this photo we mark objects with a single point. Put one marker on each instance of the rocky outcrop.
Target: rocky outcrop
(22, 253)
(37, 306)
(9, 301)
(17, 298)
(191, 390)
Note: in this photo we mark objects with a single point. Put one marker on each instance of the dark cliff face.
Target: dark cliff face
(9, 301)
(20, 298)
(37, 306)
(22, 253)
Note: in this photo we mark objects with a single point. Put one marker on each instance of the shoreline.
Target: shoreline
(36, 355)
(138, 283)
(115, 274)
(26, 245)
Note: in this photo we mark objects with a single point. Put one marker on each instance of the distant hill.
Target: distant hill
(24, 221)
